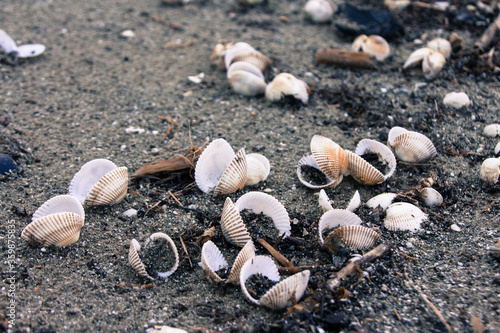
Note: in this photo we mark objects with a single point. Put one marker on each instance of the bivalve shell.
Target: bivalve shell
(354, 203)
(383, 200)
(490, 171)
(410, 146)
(255, 58)
(355, 237)
(258, 168)
(404, 216)
(497, 149)
(233, 50)
(247, 84)
(336, 218)
(218, 53)
(362, 171)
(329, 156)
(491, 130)
(374, 45)
(319, 11)
(245, 67)
(433, 64)
(440, 45)
(430, 197)
(456, 100)
(285, 84)
(324, 201)
(232, 225)
(235, 175)
(135, 261)
(309, 161)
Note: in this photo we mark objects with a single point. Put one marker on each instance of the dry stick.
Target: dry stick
(296, 269)
(350, 269)
(173, 196)
(345, 58)
(488, 35)
(278, 256)
(185, 250)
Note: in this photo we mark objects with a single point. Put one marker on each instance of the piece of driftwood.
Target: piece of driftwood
(177, 163)
(350, 269)
(345, 58)
(488, 35)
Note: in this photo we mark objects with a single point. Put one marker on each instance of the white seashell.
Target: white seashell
(234, 176)
(491, 130)
(232, 225)
(57, 222)
(383, 152)
(233, 50)
(383, 200)
(329, 156)
(336, 218)
(30, 50)
(417, 57)
(279, 296)
(411, 146)
(285, 84)
(127, 34)
(433, 64)
(440, 45)
(246, 83)
(324, 201)
(319, 11)
(311, 162)
(171, 244)
(354, 203)
(404, 216)
(355, 237)
(7, 44)
(497, 149)
(212, 163)
(245, 67)
(393, 133)
(456, 100)
(135, 261)
(490, 171)
(259, 202)
(218, 53)
(99, 182)
(246, 253)
(258, 168)
(362, 171)
(374, 45)
(430, 197)
(197, 79)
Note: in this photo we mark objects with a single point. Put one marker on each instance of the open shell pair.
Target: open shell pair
(432, 62)
(409, 146)
(212, 261)
(99, 182)
(374, 45)
(221, 170)
(232, 225)
(9, 47)
(286, 84)
(138, 265)
(57, 222)
(280, 295)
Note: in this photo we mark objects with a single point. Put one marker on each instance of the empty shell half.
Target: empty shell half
(355, 237)
(374, 45)
(57, 222)
(456, 100)
(9, 47)
(430, 197)
(232, 225)
(329, 156)
(157, 258)
(218, 53)
(404, 216)
(99, 182)
(258, 168)
(324, 202)
(383, 200)
(285, 84)
(490, 171)
(242, 51)
(336, 218)
(319, 11)
(491, 130)
(409, 146)
(281, 294)
(310, 162)
(213, 261)
(432, 62)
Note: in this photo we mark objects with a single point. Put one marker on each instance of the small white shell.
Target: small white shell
(336, 218)
(430, 197)
(383, 200)
(212, 163)
(355, 237)
(259, 202)
(374, 45)
(490, 171)
(99, 182)
(411, 146)
(497, 149)
(456, 100)
(7, 44)
(233, 50)
(245, 67)
(247, 84)
(232, 225)
(30, 50)
(319, 11)
(285, 84)
(491, 130)
(440, 45)
(135, 261)
(417, 57)
(324, 201)
(161, 235)
(258, 168)
(217, 56)
(311, 162)
(433, 64)
(354, 203)
(404, 216)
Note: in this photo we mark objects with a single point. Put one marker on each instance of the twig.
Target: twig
(345, 58)
(488, 35)
(173, 196)
(398, 317)
(360, 278)
(428, 6)
(165, 22)
(407, 256)
(296, 269)
(185, 250)
(278, 256)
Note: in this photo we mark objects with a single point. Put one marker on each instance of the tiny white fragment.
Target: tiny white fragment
(127, 34)
(197, 78)
(130, 212)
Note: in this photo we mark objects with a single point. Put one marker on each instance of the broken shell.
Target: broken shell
(9, 47)
(440, 45)
(374, 44)
(218, 53)
(99, 182)
(135, 261)
(235, 175)
(212, 260)
(279, 296)
(355, 237)
(329, 156)
(410, 146)
(7, 44)
(383, 200)
(354, 203)
(232, 225)
(433, 64)
(259, 202)
(319, 11)
(397, 4)
(258, 168)
(57, 222)
(336, 218)
(430, 197)
(456, 100)
(246, 83)
(311, 162)
(490, 171)
(285, 84)
(497, 149)
(491, 130)
(404, 216)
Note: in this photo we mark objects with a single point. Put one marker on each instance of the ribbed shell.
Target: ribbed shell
(355, 237)
(413, 147)
(266, 204)
(211, 165)
(384, 154)
(329, 156)
(235, 175)
(336, 218)
(440, 45)
(135, 261)
(383, 200)
(394, 133)
(417, 57)
(255, 58)
(59, 229)
(235, 49)
(258, 168)
(310, 161)
(430, 197)
(433, 64)
(246, 83)
(404, 216)
(490, 171)
(232, 225)
(212, 260)
(59, 204)
(246, 253)
(161, 235)
(258, 264)
(285, 84)
(245, 67)
(362, 171)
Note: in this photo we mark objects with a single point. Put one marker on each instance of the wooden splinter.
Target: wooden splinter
(345, 58)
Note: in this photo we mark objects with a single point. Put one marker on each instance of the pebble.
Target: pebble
(133, 129)
(455, 227)
(456, 100)
(7, 164)
(130, 212)
(127, 34)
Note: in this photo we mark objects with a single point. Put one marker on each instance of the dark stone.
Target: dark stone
(7, 164)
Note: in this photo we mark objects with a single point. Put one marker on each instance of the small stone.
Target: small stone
(7, 164)
(130, 212)
(132, 129)
(127, 34)
(384, 288)
(456, 100)
(455, 227)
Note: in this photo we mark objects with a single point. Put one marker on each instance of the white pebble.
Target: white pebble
(455, 227)
(133, 129)
(197, 78)
(127, 34)
(456, 100)
(491, 130)
(130, 212)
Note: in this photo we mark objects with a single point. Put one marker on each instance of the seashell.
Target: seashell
(440, 45)
(218, 53)
(234, 176)
(362, 171)
(259, 202)
(258, 168)
(285, 84)
(404, 216)
(355, 237)
(417, 57)
(137, 264)
(212, 260)
(255, 58)
(336, 218)
(490, 171)
(9, 47)
(319, 11)
(491, 130)
(374, 44)
(410, 146)
(233, 50)
(311, 162)
(324, 201)
(99, 182)
(245, 67)
(456, 100)
(354, 203)
(57, 222)
(279, 296)
(430, 197)
(7, 44)
(497, 149)
(232, 225)
(246, 83)
(383, 200)
(433, 64)
(329, 156)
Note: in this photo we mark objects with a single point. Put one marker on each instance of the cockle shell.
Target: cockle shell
(410, 146)
(374, 44)
(430, 197)
(57, 222)
(336, 218)
(432, 62)
(9, 47)
(329, 156)
(354, 203)
(255, 58)
(245, 67)
(311, 162)
(440, 45)
(7, 44)
(324, 202)
(99, 182)
(279, 296)
(212, 260)
(246, 79)
(232, 225)
(319, 11)
(258, 168)
(491, 130)
(456, 100)
(259, 202)
(355, 237)
(490, 171)
(233, 50)
(285, 84)
(235, 175)
(497, 149)
(417, 57)
(136, 262)
(383, 200)
(404, 216)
